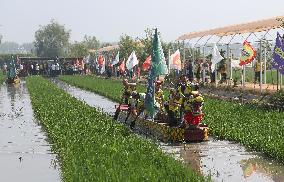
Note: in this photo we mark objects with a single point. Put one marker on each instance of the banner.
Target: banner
(278, 54)
(131, 61)
(158, 67)
(175, 61)
(216, 57)
(248, 54)
(100, 60)
(146, 65)
(116, 61)
(103, 66)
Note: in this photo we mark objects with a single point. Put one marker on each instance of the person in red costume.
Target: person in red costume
(193, 110)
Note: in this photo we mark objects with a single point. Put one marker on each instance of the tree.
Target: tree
(147, 44)
(127, 44)
(15, 48)
(91, 42)
(78, 49)
(51, 40)
(81, 49)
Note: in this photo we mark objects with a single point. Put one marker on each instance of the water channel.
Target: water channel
(25, 154)
(223, 160)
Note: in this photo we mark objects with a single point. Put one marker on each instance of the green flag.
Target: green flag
(158, 67)
(158, 61)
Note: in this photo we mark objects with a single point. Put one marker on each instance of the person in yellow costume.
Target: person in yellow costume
(159, 95)
(174, 104)
(128, 88)
(257, 71)
(136, 106)
(184, 87)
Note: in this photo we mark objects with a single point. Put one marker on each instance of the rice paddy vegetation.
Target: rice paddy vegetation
(256, 128)
(93, 147)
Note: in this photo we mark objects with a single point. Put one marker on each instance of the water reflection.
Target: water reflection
(24, 153)
(192, 157)
(256, 165)
(11, 90)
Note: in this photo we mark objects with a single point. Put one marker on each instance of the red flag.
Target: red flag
(146, 65)
(100, 60)
(122, 66)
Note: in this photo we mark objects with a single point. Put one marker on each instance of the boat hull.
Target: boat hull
(13, 81)
(164, 132)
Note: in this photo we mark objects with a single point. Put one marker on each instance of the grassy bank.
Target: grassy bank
(254, 127)
(271, 76)
(93, 147)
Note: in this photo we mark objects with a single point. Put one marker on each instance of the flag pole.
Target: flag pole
(260, 80)
(280, 83)
(169, 57)
(265, 61)
(203, 70)
(277, 79)
(260, 57)
(243, 76)
(192, 63)
(231, 67)
(228, 60)
(183, 64)
(215, 75)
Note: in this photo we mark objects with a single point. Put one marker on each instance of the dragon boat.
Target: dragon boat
(160, 129)
(12, 77)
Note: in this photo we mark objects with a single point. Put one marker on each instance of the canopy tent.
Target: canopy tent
(238, 29)
(256, 26)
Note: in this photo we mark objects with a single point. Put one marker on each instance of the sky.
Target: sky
(109, 19)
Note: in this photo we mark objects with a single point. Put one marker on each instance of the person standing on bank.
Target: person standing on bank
(257, 71)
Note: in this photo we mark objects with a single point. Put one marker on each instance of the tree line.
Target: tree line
(53, 40)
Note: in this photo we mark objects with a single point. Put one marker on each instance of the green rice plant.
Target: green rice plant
(93, 147)
(256, 128)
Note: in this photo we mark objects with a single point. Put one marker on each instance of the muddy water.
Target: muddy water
(223, 160)
(25, 155)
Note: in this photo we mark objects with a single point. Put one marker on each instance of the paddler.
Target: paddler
(184, 87)
(193, 110)
(159, 95)
(174, 104)
(128, 88)
(136, 107)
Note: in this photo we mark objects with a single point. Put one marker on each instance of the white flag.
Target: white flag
(216, 57)
(87, 59)
(116, 61)
(131, 61)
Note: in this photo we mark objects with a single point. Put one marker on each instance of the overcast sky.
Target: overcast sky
(108, 19)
